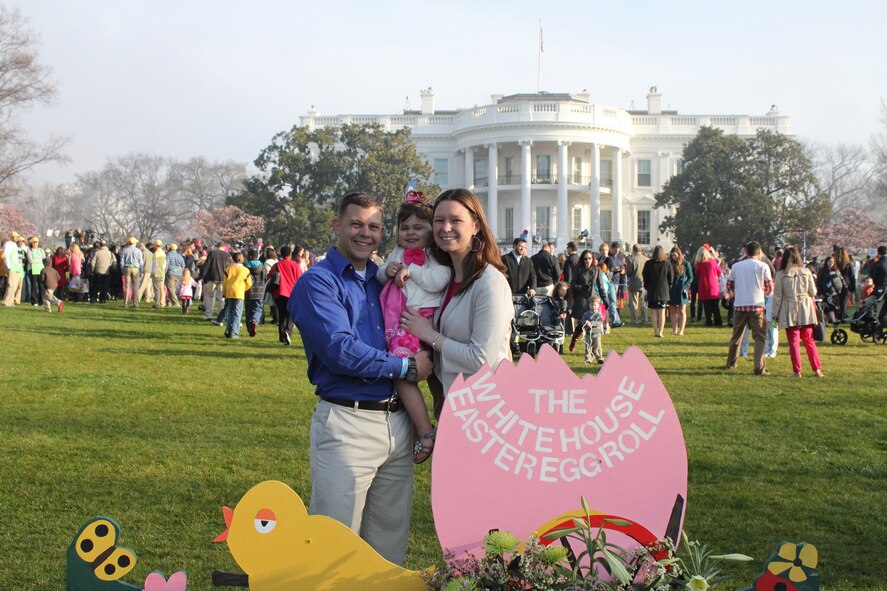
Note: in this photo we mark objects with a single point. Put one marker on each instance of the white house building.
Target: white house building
(558, 164)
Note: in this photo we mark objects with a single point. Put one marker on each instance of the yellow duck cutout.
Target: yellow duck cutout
(282, 548)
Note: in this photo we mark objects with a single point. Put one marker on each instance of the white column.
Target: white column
(563, 217)
(595, 194)
(493, 188)
(617, 195)
(469, 169)
(631, 236)
(526, 171)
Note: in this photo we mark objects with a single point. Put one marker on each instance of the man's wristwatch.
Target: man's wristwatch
(412, 371)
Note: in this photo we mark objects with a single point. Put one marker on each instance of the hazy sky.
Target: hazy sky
(218, 79)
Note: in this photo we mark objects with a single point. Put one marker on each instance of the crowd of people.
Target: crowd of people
(440, 306)
(162, 275)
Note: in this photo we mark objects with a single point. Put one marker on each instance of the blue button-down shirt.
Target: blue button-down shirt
(340, 320)
(175, 263)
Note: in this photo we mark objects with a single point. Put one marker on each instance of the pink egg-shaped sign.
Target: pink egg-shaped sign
(520, 445)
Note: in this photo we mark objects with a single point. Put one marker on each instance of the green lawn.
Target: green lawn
(155, 419)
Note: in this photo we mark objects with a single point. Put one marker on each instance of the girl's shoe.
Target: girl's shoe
(797, 374)
(421, 451)
(818, 374)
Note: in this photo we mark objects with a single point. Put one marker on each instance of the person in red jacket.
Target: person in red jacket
(708, 271)
(288, 272)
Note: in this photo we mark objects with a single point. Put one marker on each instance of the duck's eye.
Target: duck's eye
(265, 521)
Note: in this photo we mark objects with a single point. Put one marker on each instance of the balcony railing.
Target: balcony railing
(509, 179)
(481, 181)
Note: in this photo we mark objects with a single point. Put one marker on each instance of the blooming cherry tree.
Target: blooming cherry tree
(229, 223)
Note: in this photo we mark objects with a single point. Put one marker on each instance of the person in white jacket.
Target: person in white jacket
(415, 280)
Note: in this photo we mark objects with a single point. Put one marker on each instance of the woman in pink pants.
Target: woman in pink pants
(793, 307)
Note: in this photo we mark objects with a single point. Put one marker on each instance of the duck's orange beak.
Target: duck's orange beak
(229, 515)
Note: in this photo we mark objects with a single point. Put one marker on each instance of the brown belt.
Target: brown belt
(391, 405)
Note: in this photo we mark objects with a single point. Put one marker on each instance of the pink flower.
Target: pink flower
(177, 582)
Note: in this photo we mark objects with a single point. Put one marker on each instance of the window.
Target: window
(509, 224)
(543, 168)
(577, 171)
(644, 227)
(441, 171)
(480, 173)
(510, 177)
(606, 173)
(606, 225)
(543, 224)
(577, 222)
(644, 179)
(679, 166)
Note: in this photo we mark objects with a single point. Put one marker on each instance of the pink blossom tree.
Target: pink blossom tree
(229, 223)
(854, 230)
(12, 219)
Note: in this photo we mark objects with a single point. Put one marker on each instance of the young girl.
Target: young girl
(186, 290)
(593, 325)
(417, 281)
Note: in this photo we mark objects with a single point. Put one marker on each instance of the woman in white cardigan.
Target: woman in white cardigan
(473, 325)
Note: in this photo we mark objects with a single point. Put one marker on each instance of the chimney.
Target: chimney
(654, 101)
(495, 98)
(427, 101)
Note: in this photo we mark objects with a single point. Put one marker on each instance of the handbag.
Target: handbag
(273, 284)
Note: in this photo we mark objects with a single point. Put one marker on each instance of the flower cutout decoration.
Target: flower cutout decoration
(797, 559)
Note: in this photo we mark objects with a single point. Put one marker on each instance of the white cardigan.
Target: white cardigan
(427, 283)
(477, 327)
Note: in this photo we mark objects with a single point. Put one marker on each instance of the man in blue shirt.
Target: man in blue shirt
(361, 438)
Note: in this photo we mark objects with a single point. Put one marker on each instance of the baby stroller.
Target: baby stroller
(865, 321)
(536, 322)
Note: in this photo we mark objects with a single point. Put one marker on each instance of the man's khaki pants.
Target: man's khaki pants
(362, 473)
(13, 289)
(636, 303)
(212, 295)
(757, 323)
(172, 288)
(146, 289)
(130, 286)
(159, 292)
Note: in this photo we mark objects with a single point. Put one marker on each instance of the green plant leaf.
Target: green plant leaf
(619, 522)
(560, 533)
(617, 567)
(735, 556)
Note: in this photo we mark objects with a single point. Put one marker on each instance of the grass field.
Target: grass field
(155, 419)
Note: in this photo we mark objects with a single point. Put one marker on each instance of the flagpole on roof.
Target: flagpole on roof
(541, 51)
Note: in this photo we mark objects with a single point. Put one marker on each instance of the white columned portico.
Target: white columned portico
(563, 218)
(617, 195)
(526, 173)
(493, 188)
(469, 169)
(595, 204)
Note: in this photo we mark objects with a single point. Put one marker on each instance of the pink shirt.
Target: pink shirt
(76, 264)
(708, 273)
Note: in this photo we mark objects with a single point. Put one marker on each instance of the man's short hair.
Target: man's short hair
(571, 245)
(285, 251)
(752, 249)
(517, 241)
(364, 200)
(615, 245)
(882, 251)
(636, 248)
